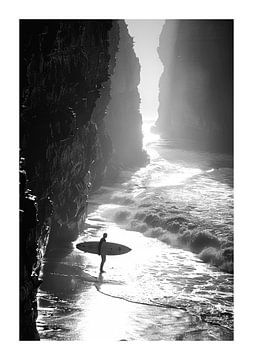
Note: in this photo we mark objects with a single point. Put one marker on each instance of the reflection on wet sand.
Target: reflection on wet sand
(156, 291)
(127, 302)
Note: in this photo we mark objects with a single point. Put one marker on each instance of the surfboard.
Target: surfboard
(109, 248)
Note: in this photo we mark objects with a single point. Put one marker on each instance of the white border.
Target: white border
(11, 11)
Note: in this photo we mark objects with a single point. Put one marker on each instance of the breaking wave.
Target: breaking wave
(184, 199)
(179, 231)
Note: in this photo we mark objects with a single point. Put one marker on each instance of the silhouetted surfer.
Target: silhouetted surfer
(101, 251)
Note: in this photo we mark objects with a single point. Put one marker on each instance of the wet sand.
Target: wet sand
(78, 303)
(154, 292)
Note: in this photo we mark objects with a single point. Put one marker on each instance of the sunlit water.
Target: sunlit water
(156, 291)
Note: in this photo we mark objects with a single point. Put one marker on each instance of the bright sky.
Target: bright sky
(146, 40)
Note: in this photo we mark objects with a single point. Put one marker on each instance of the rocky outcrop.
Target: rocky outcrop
(65, 143)
(105, 148)
(64, 65)
(29, 262)
(123, 119)
(196, 87)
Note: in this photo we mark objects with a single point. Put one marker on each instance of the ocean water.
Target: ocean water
(162, 289)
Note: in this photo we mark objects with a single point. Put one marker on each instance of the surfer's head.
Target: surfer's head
(104, 235)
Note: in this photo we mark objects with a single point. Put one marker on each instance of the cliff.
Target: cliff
(123, 119)
(196, 87)
(65, 69)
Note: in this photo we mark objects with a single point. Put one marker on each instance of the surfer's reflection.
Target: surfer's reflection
(99, 281)
(100, 278)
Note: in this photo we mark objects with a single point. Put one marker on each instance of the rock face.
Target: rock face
(123, 119)
(196, 87)
(65, 69)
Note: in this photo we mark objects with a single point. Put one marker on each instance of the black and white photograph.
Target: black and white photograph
(126, 179)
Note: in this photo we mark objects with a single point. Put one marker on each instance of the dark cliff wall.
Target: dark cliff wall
(105, 149)
(66, 144)
(123, 119)
(196, 87)
(63, 65)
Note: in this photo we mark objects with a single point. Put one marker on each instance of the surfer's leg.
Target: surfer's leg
(102, 262)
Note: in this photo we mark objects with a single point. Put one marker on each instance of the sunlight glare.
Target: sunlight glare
(148, 136)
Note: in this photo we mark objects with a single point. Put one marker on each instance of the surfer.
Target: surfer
(101, 251)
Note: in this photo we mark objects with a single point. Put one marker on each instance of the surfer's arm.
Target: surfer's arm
(99, 246)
